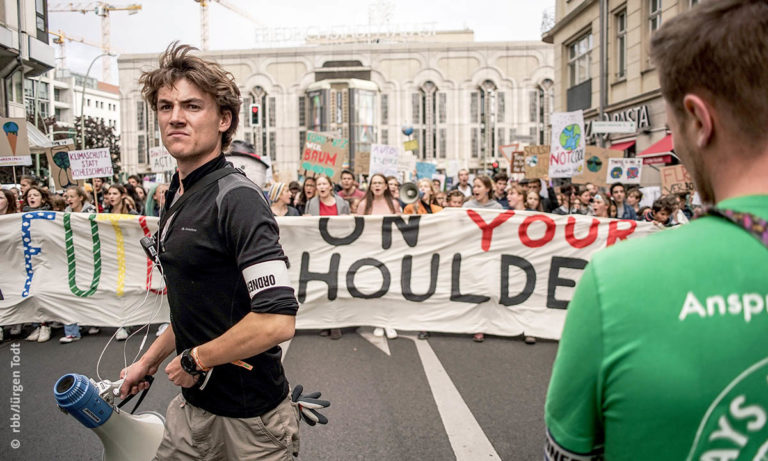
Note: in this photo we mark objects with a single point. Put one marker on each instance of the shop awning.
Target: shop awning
(662, 147)
(622, 145)
(38, 141)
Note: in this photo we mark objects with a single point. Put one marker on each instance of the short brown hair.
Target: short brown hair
(719, 48)
(176, 63)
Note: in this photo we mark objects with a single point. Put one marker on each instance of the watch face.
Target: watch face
(188, 363)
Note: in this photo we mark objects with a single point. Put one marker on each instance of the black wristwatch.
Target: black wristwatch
(188, 363)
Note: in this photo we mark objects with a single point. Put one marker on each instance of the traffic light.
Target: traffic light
(255, 110)
(494, 168)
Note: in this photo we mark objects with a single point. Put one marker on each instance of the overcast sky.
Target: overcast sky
(162, 21)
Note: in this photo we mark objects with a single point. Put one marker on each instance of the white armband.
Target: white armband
(262, 276)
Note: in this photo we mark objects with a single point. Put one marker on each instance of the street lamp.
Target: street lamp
(82, 100)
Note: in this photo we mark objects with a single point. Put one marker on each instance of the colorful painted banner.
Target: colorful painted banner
(566, 157)
(624, 170)
(324, 155)
(504, 272)
(160, 160)
(384, 159)
(90, 163)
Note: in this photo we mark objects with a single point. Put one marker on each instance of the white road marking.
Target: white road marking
(285, 345)
(464, 432)
(378, 341)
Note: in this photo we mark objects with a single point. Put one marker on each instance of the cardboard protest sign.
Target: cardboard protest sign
(536, 160)
(324, 155)
(14, 143)
(596, 166)
(90, 163)
(362, 163)
(425, 170)
(58, 164)
(675, 179)
(567, 147)
(384, 159)
(160, 160)
(624, 170)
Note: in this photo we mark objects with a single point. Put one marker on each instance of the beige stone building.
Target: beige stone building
(464, 99)
(624, 83)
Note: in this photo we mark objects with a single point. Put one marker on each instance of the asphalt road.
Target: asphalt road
(475, 401)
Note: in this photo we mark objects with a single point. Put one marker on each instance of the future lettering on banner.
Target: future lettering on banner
(90, 163)
(505, 272)
(566, 157)
(324, 155)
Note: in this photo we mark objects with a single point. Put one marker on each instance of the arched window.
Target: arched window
(425, 119)
(483, 109)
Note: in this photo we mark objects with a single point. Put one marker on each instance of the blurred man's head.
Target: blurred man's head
(713, 71)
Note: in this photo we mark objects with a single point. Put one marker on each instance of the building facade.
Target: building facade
(620, 85)
(463, 99)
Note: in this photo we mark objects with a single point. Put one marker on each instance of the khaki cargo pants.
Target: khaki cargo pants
(192, 433)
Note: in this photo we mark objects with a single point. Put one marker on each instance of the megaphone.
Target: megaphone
(409, 192)
(125, 437)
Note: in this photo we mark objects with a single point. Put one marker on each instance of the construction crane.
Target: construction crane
(102, 9)
(204, 31)
(60, 38)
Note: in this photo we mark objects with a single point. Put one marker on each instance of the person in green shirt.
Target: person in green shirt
(664, 353)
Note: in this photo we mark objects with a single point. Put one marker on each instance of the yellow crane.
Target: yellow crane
(103, 10)
(60, 38)
(204, 31)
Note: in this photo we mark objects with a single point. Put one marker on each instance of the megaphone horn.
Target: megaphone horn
(125, 437)
(409, 192)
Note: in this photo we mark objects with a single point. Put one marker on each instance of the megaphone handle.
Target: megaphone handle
(147, 378)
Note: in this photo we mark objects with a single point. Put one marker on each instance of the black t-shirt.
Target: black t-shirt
(224, 233)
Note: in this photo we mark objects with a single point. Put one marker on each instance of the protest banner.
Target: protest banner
(384, 159)
(160, 160)
(324, 155)
(567, 147)
(675, 179)
(425, 170)
(504, 273)
(624, 170)
(90, 163)
(362, 164)
(14, 146)
(58, 164)
(596, 166)
(536, 161)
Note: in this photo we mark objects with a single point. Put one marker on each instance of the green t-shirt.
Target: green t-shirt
(664, 353)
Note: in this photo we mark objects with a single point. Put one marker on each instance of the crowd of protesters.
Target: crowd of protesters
(33, 195)
(319, 196)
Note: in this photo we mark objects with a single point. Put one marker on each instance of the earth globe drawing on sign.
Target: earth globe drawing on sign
(570, 137)
(594, 164)
(616, 172)
(633, 172)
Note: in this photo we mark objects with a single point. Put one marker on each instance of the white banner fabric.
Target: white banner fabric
(459, 271)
